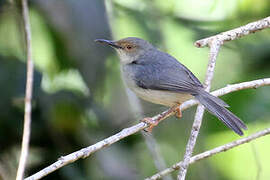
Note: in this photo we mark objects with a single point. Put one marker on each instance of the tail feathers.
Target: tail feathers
(217, 107)
(216, 99)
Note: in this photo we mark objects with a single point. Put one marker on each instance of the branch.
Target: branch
(214, 43)
(211, 152)
(236, 33)
(28, 93)
(85, 152)
(214, 49)
(231, 88)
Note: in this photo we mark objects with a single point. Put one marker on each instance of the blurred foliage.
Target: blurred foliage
(79, 97)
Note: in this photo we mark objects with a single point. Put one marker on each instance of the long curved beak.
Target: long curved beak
(108, 42)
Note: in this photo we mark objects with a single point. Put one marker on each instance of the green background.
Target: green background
(79, 97)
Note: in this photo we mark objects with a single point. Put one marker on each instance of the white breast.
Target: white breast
(161, 97)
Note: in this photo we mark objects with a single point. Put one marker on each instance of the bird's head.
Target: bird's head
(129, 49)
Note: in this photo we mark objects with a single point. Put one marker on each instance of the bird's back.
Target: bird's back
(159, 78)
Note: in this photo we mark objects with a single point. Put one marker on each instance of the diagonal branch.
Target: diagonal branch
(236, 33)
(28, 93)
(211, 152)
(85, 152)
(231, 88)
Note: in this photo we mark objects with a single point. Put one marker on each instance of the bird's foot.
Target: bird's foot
(154, 122)
(178, 112)
(151, 123)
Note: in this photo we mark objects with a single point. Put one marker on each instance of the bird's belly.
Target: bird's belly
(165, 98)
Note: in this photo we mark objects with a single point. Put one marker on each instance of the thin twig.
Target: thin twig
(85, 152)
(154, 150)
(211, 152)
(214, 49)
(257, 160)
(28, 93)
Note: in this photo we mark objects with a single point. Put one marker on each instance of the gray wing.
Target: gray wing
(166, 73)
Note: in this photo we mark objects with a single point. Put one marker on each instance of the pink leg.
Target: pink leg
(178, 112)
(152, 123)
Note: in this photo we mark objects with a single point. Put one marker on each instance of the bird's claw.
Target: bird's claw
(150, 122)
(178, 112)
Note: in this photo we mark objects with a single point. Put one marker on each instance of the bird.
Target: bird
(159, 78)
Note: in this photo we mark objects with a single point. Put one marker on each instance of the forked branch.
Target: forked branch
(214, 42)
(211, 152)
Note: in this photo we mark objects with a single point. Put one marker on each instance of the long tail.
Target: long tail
(217, 107)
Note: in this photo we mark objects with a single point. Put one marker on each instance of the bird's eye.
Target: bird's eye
(129, 47)
(134, 62)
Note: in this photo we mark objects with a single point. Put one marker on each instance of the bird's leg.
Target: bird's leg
(178, 112)
(152, 122)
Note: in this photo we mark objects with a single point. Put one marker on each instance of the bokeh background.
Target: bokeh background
(79, 97)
